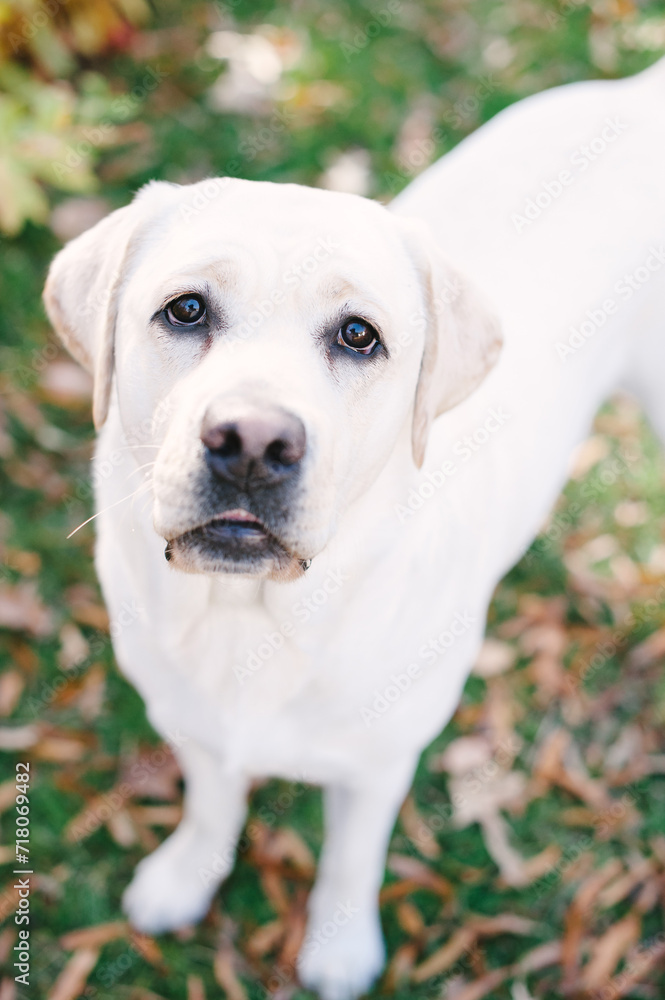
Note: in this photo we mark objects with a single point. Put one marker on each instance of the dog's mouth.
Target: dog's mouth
(234, 541)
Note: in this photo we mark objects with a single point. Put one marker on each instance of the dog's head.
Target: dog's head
(276, 339)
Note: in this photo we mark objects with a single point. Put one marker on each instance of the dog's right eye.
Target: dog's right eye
(186, 310)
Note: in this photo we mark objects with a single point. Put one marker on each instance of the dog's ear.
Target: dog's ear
(81, 291)
(462, 336)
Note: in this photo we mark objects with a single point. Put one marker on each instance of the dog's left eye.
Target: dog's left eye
(357, 335)
(186, 310)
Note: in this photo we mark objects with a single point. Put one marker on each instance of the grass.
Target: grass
(91, 722)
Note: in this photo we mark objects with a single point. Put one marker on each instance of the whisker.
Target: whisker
(146, 465)
(128, 497)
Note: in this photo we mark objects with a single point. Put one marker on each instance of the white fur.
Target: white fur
(383, 582)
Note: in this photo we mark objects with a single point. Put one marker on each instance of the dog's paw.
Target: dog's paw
(344, 964)
(167, 891)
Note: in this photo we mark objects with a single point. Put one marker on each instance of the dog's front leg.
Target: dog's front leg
(175, 884)
(343, 951)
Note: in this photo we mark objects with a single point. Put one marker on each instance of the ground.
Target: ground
(529, 860)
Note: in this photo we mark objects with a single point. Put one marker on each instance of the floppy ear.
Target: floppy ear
(81, 291)
(462, 336)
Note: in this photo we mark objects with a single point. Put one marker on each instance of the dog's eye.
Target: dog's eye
(358, 335)
(186, 310)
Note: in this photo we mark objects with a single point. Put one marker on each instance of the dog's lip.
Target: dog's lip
(237, 514)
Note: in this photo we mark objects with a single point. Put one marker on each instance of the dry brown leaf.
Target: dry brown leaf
(95, 936)
(539, 958)
(588, 454)
(74, 647)
(26, 563)
(195, 988)
(275, 890)
(410, 919)
(577, 917)
(607, 951)
(122, 828)
(65, 383)
(626, 883)
(12, 683)
(398, 890)
(503, 923)
(462, 755)
(483, 987)
(265, 938)
(541, 863)
(551, 768)
(495, 657)
(649, 651)
(509, 861)
(90, 699)
(7, 938)
(416, 871)
(22, 610)
(7, 989)
(285, 844)
(225, 974)
(295, 935)
(637, 971)
(446, 956)
(19, 737)
(400, 966)
(418, 830)
(148, 949)
(61, 748)
(7, 794)
(156, 815)
(74, 976)
(152, 773)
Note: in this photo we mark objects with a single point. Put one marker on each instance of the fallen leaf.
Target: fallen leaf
(410, 919)
(74, 976)
(225, 974)
(94, 937)
(195, 988)
(21, 609)
(495, 657)
(445, 956)
(418, 830)
(400, 967)
(607, 951)
(148, 949)
(416, 871)
(12, 683)
(18, 737)
(265, 938)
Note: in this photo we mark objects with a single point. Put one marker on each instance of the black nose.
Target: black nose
(254, 445)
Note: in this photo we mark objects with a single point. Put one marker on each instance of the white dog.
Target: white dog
(315, 532)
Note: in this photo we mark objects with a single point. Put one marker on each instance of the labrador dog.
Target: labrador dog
(315, 461)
